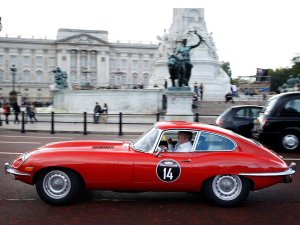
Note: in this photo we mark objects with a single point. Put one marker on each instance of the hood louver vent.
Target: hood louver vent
(103, 147)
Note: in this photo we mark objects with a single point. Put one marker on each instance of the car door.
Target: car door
(168, 171)
(243, 120)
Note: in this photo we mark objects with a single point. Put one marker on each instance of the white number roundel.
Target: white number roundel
(168, 170)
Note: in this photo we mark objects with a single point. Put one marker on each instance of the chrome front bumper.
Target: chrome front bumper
(9, 170)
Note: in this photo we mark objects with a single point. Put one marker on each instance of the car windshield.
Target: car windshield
(146, 142)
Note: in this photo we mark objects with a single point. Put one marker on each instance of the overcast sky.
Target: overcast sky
(249, 34)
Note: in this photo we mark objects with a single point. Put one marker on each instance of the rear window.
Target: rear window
(213, 142)
(269, 106)
(291, 108)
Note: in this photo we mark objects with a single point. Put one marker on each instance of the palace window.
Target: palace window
(39, 76)
(39, 60)
(26, 76)
(13, 60)
(51, 61)
(26, 60)
(1, 60)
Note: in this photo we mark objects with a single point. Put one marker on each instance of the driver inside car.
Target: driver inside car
(184, 143)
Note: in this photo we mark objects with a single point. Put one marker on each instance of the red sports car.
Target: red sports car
(223, 165)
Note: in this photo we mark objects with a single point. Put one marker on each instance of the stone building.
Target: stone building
(89, 58)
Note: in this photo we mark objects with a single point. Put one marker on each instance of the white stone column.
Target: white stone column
(78, 70)
(99, 68)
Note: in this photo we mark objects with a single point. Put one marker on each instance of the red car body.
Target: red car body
(223, 174)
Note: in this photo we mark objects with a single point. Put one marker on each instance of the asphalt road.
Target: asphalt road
(20, 204)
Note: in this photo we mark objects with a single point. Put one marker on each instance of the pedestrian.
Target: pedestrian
(33, 112)
(6, 112)
(196, 90)
(97, 112)
(201, 89)
(105, 112)
(17, 111)
(28, 113)
(229, 97)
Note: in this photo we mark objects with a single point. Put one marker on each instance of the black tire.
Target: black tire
(290, 141)
(226, 190)
(58, 186)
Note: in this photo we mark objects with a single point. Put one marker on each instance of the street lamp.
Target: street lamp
(13, 70)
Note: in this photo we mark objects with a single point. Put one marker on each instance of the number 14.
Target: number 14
(168, 174)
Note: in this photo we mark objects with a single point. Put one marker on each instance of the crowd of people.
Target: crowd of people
(15, 109)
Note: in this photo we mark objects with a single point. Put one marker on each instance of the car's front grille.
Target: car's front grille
(103, 147)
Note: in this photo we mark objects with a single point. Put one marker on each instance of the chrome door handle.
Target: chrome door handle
(186, 160)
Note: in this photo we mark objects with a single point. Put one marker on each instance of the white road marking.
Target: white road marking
(11, 153)
(36, 137)
(20, 142)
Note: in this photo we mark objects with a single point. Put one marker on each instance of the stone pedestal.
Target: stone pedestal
(179, 105)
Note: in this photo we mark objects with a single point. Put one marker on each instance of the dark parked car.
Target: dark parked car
(239, 119)
(279, 124)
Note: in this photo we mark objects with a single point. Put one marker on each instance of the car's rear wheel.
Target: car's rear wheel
(226, 190)
(58, 186)
(289, 141)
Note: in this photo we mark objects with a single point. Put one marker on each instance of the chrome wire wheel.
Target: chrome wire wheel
(227, 187)
(290, 142)
(56, 184)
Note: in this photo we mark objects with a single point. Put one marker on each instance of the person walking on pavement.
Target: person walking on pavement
(17, 111)
(33, 112)
(201, 89)
(6, 112)
(28, 113)
(97, 112)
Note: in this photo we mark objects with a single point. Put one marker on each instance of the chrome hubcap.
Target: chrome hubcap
(227, 187)
(290, 141)
(57, 184)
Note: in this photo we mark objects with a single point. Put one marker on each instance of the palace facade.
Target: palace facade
(89, 58)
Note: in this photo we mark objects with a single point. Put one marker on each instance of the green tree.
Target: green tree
(226, 68)
(280, 75)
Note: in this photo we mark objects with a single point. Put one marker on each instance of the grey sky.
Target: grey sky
(247, 33)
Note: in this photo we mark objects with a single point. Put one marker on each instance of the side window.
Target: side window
(214, 142)
(255, 112)
(173, 134)
(241, 113)
(292, 108)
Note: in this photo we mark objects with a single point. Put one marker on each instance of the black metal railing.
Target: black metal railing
(50, 121)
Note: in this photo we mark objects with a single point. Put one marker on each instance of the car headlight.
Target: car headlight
(25, 156)
(20, 160)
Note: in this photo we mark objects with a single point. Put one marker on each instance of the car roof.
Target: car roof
(169, 125)
(244, 106)
(295, 93)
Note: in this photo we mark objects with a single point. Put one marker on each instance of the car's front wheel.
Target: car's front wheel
(58, 186)
(226, 190)
(289, 141)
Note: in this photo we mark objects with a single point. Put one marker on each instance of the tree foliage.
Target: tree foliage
(226, 68)
(280, 75)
